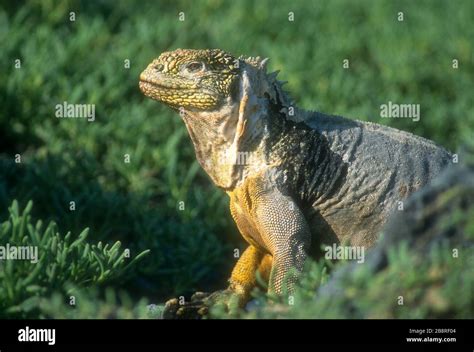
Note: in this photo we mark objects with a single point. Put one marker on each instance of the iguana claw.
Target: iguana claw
(199, 305)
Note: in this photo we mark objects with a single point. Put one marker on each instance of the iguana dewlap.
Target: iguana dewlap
(296, 179)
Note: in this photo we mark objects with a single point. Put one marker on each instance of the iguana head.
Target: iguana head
(224, 102)
(191, 79)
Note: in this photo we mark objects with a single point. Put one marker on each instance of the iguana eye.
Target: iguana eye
(194, 66)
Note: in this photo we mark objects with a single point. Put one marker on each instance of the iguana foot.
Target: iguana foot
(200, 303)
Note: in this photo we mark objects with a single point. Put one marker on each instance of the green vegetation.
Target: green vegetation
(57, 262)
(438, 286)
(138, 203)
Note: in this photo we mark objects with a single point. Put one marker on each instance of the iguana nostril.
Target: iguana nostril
(158, 67)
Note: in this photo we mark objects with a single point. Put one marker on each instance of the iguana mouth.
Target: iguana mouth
(145, 82)
(146, 85)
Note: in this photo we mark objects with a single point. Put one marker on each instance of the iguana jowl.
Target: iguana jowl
(307, 178)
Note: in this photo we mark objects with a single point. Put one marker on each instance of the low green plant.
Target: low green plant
(61, 261)
(87, 303)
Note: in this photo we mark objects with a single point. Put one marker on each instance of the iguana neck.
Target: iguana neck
(227, 150)
(212, 134)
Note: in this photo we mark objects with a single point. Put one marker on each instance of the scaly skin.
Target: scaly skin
(296, 179)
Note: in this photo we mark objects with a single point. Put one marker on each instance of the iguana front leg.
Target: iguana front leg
(244, 275)
(279, 237)
(272, 222)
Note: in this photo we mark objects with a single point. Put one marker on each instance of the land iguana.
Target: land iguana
(296, 179)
